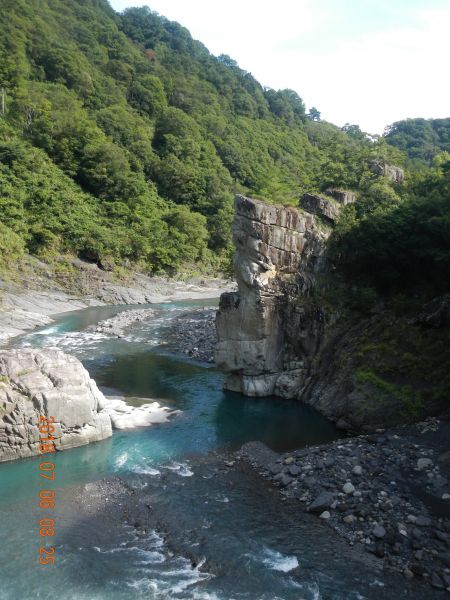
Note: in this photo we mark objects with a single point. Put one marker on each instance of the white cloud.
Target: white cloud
(372, 78)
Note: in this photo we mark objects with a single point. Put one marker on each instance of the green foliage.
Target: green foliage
(125, 139)
(399, 242)
(410, 400)
(11, 246)
(421, 139)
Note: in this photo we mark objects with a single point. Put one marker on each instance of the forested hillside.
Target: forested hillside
(421, 139)
(123, 140)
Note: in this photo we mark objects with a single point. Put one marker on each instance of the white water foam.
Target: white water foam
(276, 561)
(125, 416)
(181, 469)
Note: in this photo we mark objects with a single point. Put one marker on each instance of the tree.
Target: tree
(314, 114)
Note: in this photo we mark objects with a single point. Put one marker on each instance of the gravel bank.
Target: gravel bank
(194, 334)
(387, 493)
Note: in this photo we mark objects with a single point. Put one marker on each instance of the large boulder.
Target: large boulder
(50, 383)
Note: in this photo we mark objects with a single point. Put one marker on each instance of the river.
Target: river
(219, 531)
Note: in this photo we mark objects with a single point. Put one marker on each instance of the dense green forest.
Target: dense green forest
(123, 141)
(421, 139)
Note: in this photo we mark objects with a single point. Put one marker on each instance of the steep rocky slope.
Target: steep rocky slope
(290, 330)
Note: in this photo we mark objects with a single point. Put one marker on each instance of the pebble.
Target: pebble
(349, 519)
(325, 515)
(436, 581)
(322, 501)
(348, 488)
(379, 531)
(357, 470)
(424, 463)
(422, 521)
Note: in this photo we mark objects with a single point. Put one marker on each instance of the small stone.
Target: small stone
(408, 573)
(357, 470)
(321, 502)
(379, 531)
(422, 521)
(294, 470)
(445, 496)
(417, 569)
(445, 558)
(283, 478)
(349, 519)
(275, 468)
(289, 460)
(436, 581)
(348, 488)
(411, 518)
(442, 536)
(424, 463)
(325, 515)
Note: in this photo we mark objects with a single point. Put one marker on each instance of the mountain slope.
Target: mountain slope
(124, 139)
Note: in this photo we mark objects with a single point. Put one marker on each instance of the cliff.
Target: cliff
(266, 337)
(291, 330)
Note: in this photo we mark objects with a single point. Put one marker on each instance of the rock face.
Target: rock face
(265, 336)
(327, 208)
(47, 382)
(288, 331)
(383, 169)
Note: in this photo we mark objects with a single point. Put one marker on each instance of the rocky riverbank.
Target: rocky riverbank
(40, 294)
(194, 333)
(116, 325)
(387, 493)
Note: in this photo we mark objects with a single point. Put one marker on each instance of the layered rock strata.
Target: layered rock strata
(47, 382)
(265, 335)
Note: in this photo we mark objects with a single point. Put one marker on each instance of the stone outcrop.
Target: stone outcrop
(327, 208)
(47, 382)
(344, 197)
(265, 336)
(383, 169)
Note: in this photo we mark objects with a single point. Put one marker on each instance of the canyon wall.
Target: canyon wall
(289, 330)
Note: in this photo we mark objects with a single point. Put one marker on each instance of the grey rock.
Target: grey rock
(349, 519)
(325, 515)
(357, 470)
(327, 208)
(422, 521)
(295, 470)
(436, 581)
(379, 531)
(424, 463)
(323, 501)
(50, 383)
(348, 488)
(283, 479)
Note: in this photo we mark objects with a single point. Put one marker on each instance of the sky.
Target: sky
(365, 62)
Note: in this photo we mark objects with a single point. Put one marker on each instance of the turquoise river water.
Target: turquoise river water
(219, 533)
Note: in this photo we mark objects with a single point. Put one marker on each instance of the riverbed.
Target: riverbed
(186, 520)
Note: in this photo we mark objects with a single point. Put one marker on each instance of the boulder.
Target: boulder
(50, 383)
